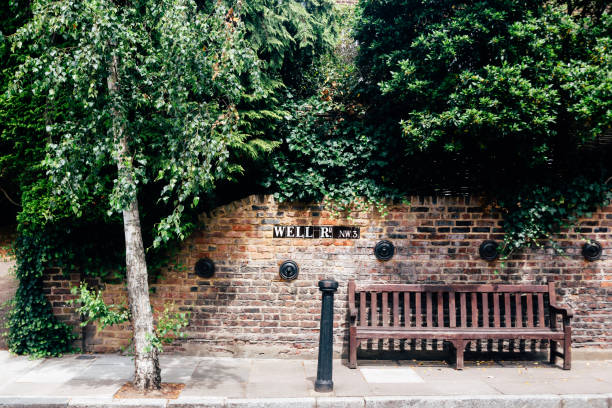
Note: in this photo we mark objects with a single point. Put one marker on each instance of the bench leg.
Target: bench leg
(567, 349)
(460, 348)
(567, 355)
(352, 363)
(553, 352)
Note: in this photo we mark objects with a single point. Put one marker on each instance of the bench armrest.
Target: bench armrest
(564, 311)
(351, 303)
(353, 314)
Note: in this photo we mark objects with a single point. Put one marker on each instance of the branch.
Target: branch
(9, 198)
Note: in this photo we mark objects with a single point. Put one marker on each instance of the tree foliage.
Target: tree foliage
(502, 97)
(181, 75)
(512, 87)
(328, 151)
(231, 104)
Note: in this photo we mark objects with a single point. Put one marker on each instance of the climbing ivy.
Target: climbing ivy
(328, 151)
(33, 329)
(533, 217)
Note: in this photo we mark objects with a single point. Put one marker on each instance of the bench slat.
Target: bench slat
(529, 310)
(519, 310)
(485, 310)
(407, 322)
(474, 310)
(374, 308)
(475, 330)
(429, 309)
(463, 309)
(496, 319)
(385, 308)
(498, 288)
(396, 316)
(369, 333)
(507, 310)
(541, 309)
(417, 309)
(363, 313)
(452, 313)
(440, 309)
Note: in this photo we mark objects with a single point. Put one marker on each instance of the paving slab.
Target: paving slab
(219, 378)
(347, 382)
(111, 371)
(215, 389)
(90, 388)
(30, 389)
(277, 390)
(523, 387)
(13, 365)
(583, 386)
(177, 374)
(217, 371)
(391, 375)
(276, 371)
(173, 360)
(111, 359)
(277, 378)
(53, 371)
(467, 387)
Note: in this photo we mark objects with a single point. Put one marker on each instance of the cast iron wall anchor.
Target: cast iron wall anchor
(289, 270)
(205, 268)
(591, 251)
(384, 250)
(488, 250)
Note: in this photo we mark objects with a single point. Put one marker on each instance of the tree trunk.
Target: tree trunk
(147, 374)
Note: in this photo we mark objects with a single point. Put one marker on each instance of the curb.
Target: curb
(478, 401)
(39, 402)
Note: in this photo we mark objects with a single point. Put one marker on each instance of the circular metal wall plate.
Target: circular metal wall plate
(384, 250)
(591, 251)
(488, 250)
(289, 270)
(205, 268)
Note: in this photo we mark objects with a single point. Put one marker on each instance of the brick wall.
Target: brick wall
(246, 309)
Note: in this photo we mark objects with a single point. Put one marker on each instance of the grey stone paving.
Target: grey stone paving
(241, 382)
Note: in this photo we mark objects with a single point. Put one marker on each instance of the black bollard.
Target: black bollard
(324, 381)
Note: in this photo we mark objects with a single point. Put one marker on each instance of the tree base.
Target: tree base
(167, 391)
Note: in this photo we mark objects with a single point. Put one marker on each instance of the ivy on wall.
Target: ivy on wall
(34, 330)
(535, 216)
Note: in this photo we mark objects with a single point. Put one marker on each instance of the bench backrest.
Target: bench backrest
(463, 305)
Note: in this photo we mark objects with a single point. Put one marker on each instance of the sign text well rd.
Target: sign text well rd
(315, 231)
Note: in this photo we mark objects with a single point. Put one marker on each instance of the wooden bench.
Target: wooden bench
(459, 314)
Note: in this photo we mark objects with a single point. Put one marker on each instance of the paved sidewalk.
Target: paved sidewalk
(84, 380)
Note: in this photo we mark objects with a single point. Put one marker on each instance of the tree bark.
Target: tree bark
(147, 373)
